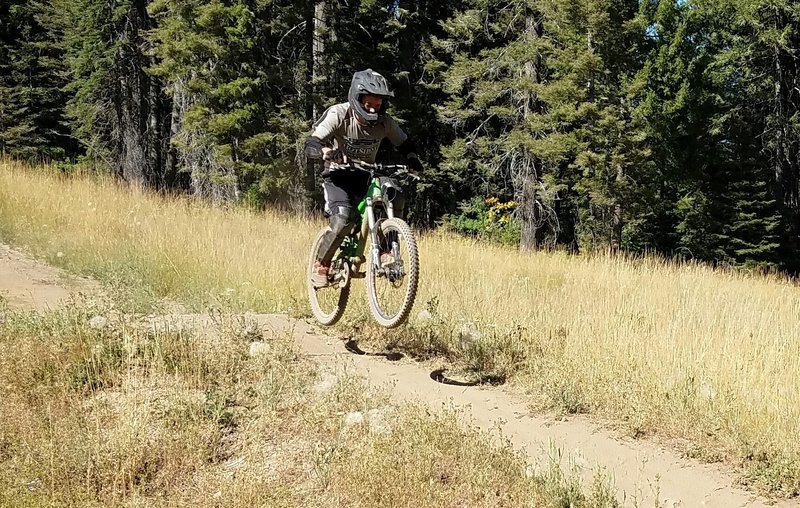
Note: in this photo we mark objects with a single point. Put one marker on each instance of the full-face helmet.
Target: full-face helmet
(368, 82)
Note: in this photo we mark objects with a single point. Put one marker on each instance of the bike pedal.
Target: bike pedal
(358, 275)
(319, 284)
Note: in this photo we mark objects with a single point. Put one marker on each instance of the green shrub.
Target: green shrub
(487, 219)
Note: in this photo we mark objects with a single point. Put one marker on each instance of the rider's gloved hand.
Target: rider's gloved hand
(336, 155)
(414, 164)
(313, 148)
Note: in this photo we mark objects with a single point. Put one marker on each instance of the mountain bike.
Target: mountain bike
(392, 260)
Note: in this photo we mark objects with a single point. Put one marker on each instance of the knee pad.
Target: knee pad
(340, 222)
(340, 226)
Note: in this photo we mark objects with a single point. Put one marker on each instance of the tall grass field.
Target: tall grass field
(709, 357)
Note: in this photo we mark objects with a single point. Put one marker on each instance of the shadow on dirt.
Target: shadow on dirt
(392, 356)
(439, 376)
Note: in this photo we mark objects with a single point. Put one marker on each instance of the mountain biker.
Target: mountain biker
(353, 130)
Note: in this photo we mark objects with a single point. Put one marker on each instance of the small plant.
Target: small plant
(486, 218)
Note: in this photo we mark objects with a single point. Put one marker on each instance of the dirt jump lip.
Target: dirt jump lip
(392, 356)
(439, 375)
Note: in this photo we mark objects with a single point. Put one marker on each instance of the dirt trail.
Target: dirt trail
(29, 284)
(642, 471)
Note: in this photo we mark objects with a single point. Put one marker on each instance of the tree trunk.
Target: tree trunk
(175, 125)
(590, 83)
(133, 157)
(139, 161)
(158, 175)
(782, 174)
(527, 175)
(304, 191)
(527, 183)
(616, 231)
(318, 73)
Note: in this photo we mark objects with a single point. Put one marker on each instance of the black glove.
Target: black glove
(414, 164)
(313, 147)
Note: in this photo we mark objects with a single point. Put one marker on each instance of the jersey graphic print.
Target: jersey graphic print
(360, 148)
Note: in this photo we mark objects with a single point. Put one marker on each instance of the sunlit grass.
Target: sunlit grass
(684, 351)
(123, 414)
(161, 246)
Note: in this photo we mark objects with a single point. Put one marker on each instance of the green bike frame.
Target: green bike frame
(390, 298)
(353, 245)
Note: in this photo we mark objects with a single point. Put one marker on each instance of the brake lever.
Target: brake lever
(337, 166)
(405, 171)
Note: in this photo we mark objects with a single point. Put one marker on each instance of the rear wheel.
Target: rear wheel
(392, 283)
(328, 302)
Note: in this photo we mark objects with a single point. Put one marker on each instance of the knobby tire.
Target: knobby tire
(411, 265)
(325, 317)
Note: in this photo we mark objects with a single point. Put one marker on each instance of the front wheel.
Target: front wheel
(392, 282)
(328, 302)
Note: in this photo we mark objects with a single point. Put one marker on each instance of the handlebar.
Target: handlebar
(383, 169)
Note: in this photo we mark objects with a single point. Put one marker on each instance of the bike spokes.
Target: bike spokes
(392, 280)
(329, 301)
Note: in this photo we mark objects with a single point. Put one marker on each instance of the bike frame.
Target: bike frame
(352, 249)
(385, 234)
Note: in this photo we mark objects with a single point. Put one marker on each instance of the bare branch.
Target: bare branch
(278, 47)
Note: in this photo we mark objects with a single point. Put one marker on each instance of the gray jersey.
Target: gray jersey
(339, 125)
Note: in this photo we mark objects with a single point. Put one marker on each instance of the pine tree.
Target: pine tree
(701, 88)
(32, 124)
(752, 235)
(678, 109)
(758, 54)
(236, 74)
(544, 97)
(594, 85)
(118, 110)
(491, 66)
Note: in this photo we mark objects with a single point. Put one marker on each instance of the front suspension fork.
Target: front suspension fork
(370, 227)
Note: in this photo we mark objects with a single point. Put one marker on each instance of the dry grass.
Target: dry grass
(712, 357)
(123, 415)
(149, 247)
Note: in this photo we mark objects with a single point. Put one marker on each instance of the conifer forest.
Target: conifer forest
(667, 127)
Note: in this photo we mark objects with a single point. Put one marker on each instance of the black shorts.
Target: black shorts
(344, 190)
